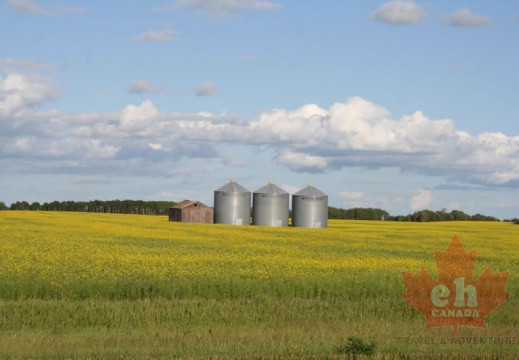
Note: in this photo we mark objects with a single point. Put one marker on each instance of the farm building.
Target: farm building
(189, 211)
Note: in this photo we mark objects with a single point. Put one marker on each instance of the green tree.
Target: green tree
(35, 206)
(358, 214)
(479, 217)
(108, 206)
(21, 205)
(442, 215)
(458, 215)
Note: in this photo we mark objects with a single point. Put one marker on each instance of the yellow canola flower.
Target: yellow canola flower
(56, 249)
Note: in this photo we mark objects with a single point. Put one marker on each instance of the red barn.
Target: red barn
(191, 212)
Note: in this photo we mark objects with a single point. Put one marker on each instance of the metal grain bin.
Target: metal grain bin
(270, 206)
(232, 204)
(310, 208)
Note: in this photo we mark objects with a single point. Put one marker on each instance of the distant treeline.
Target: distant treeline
(97, 206)
(419, 216)
(161, 208)
(454, 215)
(358, 214)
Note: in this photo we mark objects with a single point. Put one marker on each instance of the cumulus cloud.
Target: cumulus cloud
(353, 133)
(360, 133)
(465, 18)
(205, 89)
(302, 162)
(421, 200)
(222, 7)
(159, 36)
(143, 86)
(400, 12)
(20, 92)
(34, 7)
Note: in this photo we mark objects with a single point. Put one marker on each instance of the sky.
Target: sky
(402, 105)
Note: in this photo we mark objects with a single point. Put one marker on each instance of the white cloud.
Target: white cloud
(143, 86)
(360, 133)
(136, 118)
(290, 126)
(222, 7)
(34, 7)
(421, 200)
(58, 150)
(302, 162)
(352, 195)
(400, 12)
(20, 92)
(159, 36)
(155, 146)
(465, 18)
(353, 133)
(205, 89)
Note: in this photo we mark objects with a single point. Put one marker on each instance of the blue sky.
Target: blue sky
(170, 99)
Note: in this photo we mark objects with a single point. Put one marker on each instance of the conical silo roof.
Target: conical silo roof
(310, 190)
(233, 187)
(270, 188)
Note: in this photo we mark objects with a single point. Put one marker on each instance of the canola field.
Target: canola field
(79, 285)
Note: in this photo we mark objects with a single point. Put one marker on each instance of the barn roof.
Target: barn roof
(310, 190)
(182, 204)
(185, 203)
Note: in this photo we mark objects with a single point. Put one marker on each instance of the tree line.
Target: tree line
(98, 206)
(418, 216)
(358, 214)
(161, 208)
(442, 215)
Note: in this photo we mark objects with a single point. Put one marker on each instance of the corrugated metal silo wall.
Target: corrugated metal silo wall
(310, 211)
(270, 209)
(231, 208)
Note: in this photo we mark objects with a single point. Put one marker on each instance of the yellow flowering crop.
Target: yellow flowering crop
(50, 254)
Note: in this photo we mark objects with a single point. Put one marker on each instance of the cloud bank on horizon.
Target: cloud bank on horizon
(353, 133)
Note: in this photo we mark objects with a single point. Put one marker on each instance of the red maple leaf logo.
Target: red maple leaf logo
(456, 298)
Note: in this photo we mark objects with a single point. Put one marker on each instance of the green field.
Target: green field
(79, 285)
